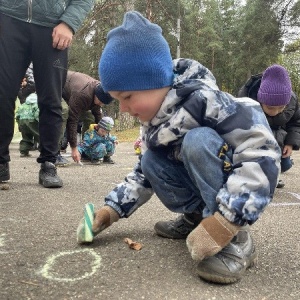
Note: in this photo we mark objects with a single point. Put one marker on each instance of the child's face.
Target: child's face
(272, 111)
(141, 104)
(102, 132)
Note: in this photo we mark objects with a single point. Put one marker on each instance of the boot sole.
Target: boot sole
(4, 179)
(50, 185)
(230, 277)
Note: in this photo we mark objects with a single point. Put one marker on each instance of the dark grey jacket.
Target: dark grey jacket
(286, 125)
(48, 13)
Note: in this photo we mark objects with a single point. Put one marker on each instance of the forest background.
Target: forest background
(234, 39)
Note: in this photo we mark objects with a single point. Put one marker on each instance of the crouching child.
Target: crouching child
(209, 156)
(97, 142)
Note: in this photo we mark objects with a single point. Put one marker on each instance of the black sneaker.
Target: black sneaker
(108, 160)
(179, 228)
(4, 172)
(231, 262)
(48, 176)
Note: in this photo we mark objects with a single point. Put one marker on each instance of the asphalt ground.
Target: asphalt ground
(40, 258)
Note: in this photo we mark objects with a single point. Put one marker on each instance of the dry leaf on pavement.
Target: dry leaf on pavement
(133, 245)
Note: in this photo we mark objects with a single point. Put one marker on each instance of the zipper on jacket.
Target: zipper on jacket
(29, 19)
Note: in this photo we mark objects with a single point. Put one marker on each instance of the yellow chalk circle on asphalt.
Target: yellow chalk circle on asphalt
(48, 269)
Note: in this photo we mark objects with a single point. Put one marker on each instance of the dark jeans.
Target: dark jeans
(21, 43)
(286, 164)
(191, 186)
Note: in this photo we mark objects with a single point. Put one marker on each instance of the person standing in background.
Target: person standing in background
(40, 34)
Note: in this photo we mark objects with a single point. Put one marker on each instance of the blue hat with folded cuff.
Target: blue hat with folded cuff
(136, 57)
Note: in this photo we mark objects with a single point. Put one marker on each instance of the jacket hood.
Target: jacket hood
(31, 99)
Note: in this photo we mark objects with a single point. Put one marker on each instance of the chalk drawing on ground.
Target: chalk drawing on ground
(51, 268)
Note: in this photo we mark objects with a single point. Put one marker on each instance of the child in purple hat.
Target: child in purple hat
(273, 90)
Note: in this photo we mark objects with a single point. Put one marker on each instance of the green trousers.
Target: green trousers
(30, 133)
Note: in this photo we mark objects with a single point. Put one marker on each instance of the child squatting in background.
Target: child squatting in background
(98, 143)
(273, 90)
(210, 156)
(27, 117)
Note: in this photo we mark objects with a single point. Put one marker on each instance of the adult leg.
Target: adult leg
(14, 61)
(14, 53)
(50, 69)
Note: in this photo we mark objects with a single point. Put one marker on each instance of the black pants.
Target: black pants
(21, 43)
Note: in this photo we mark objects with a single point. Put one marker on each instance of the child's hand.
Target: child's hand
(104, 217)
(210, 236)
(287, 151)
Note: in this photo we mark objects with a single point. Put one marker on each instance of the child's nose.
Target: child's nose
(123, 107)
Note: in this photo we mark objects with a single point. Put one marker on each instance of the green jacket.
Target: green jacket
(48, 13)
(29, 110)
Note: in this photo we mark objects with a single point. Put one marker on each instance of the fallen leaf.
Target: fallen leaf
(133, 245)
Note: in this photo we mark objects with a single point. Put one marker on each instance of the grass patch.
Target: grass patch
(129, 135)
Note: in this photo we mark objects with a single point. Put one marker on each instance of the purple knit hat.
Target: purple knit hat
(275, 88)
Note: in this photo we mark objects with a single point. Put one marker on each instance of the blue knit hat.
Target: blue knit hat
(275, 88)
(136, 57)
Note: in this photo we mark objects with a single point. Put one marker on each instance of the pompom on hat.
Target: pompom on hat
(275, 88)
(136, 57)
(106, 123)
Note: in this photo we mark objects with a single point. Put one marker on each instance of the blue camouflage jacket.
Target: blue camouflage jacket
(195, 100)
